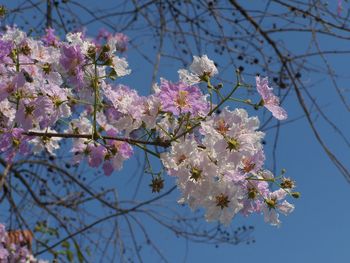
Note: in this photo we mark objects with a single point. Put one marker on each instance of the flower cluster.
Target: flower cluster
(42, 85)
(52, 89)
(220, 167)
(12, 252)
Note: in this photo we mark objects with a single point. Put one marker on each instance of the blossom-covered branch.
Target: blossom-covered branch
(52, 90)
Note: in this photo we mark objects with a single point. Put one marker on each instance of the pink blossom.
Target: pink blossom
(97, 155)
(122, 97)
(103, 34)
(3, 254)
(125, 150)
(72, 60)
(53, 105)
(25, 114)
(218, 162)
(12, 141)
(5, 49)
(121, 42)
(274, 204)
(201, 69)
(11, 252)
(107, 168)
(50, 39)
(180, 98)
(11, 83)
(270, 101)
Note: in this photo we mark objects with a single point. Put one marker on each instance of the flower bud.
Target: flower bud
(3, 11)
(219, 86)
(91, 52)
(109, 62)
(296, 195)
(157, 184)
(106, 48)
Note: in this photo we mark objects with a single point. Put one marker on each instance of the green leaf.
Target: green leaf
(65, 244)
(88, 251)
(70, 255)
(79, 254)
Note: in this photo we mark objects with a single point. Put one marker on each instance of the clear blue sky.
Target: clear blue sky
(318, 230)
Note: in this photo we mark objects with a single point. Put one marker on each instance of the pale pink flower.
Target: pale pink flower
(200, 69)
(223, 202)
(274, 204)
(271, 102)
(12, 141)
(50, 39)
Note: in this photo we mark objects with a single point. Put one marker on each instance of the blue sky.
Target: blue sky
(318, 230)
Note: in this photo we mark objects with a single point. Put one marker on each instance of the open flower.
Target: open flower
(50, 39)
(201, 69)
(180, 98)
(274, 204)
(5, 49)
(12, 141)
(223, 203)
(270, 101)
(72, 60)
(120, 66)
(41, 143)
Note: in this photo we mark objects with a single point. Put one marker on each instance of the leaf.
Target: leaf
(79, 254)
(70, 255)
(88, 251)
(65, 244)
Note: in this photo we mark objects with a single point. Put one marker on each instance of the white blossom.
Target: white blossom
(200, 68)
(120, 65)
(7, 112)
(41, 143)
